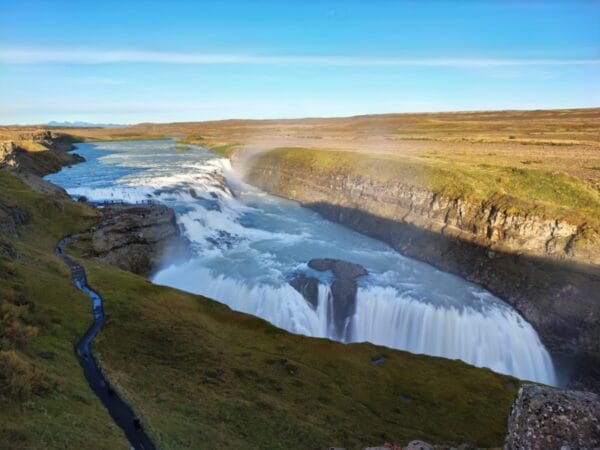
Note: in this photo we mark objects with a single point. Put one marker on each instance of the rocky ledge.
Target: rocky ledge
(136, 238)
(544, 418)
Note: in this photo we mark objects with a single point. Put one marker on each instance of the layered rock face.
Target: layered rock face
(544, 418)
(136, 238)
(537, 265)
(484, 223)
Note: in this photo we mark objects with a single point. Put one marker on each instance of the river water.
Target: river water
(247, 245)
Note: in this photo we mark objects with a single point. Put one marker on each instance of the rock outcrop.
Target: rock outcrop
(136, 238)
(343, 291)
(537, 265)
(308, 287)
(39, 152)
(8, 151)
(544, 418)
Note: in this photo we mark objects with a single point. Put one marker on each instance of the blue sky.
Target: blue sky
(137, 61)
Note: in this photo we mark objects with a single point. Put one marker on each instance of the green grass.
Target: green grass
(201, 375)
(523, 189)
(46, 402)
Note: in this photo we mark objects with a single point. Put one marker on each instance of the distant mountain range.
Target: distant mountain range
(78, 124)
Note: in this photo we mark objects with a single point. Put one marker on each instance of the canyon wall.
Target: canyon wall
(547, 269)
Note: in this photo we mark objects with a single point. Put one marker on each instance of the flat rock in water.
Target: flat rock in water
(547, 418)
(341, 269)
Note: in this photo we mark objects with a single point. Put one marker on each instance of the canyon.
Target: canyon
(546, 268)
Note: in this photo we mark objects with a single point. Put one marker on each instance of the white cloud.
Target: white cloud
(95, 56)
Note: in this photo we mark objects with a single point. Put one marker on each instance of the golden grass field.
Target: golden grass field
(556, 140)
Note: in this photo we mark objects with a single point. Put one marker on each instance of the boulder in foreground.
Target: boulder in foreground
(545, 418)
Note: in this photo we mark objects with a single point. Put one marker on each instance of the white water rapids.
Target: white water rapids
(248, 245)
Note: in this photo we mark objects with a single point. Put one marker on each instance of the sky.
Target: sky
(125, 61)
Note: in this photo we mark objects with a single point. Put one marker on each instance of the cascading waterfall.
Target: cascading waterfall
(248, 246)
(497, 338)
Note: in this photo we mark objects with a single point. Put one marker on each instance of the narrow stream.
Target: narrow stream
(248, 246)
(120, 411)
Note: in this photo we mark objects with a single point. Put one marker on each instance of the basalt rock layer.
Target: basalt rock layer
(136, 238)
(547, 269)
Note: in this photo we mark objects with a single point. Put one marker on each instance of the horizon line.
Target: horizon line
(456, 111)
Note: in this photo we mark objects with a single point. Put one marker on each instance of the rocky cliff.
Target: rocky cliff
(547, 269)
(136, 238)
(39, 152)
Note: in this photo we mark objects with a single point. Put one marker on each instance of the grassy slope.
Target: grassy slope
(45, 400)
(527, 190)
(203, 375)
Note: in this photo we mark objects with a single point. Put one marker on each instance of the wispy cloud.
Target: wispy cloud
(95, 56)
(94, 81)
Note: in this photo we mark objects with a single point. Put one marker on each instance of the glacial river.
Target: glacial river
(247, 245)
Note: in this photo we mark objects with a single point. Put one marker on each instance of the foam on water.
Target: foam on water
(248, 245)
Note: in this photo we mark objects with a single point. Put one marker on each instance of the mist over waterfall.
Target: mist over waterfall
(248, 246)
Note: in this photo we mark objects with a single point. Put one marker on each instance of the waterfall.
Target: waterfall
(496, 338)
(248, 246)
